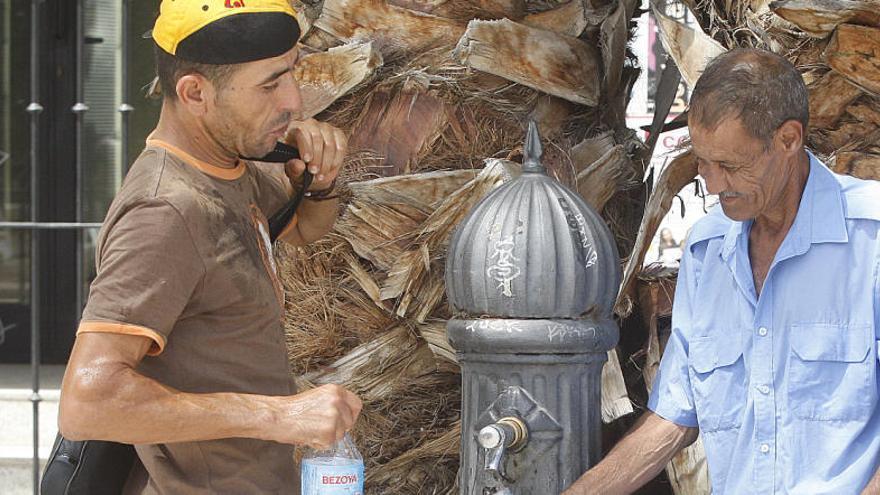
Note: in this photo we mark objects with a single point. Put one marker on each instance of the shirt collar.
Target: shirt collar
(828, 218)
(730, 238)
(820, 217)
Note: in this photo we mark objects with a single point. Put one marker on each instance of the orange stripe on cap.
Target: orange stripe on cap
(213, 170)
(125, 329)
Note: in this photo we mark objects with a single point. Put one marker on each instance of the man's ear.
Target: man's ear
(194, 92)
(790, 136)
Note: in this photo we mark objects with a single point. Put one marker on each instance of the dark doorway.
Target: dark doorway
(75, 66)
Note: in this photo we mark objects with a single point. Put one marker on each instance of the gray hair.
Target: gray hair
(759, 88)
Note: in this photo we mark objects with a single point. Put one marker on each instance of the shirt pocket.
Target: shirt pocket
(830, 373)
(719, 380)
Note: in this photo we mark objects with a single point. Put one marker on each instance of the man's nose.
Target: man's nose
(291, 98)
(715, 182)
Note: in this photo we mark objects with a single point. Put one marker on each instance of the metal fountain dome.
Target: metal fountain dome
(533, 249)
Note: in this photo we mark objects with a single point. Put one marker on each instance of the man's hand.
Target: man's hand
(638, 457)
(321, 146)
(317, 417)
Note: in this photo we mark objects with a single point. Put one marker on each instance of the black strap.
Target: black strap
(282, 217)
(283, 153)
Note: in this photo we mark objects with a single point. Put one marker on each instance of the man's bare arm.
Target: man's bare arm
(873, 487)
(316, 219)
(637, 458)
(104, 398)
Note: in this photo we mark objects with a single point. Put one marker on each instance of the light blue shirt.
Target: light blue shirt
(784, 387)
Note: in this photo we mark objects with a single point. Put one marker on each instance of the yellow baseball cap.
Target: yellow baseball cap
(225, 31)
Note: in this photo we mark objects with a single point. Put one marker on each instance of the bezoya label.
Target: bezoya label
(332, 477)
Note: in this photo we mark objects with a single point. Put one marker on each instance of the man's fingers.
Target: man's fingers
(345, 406)
(328, 161)
(341, 141)
(340, 146)
(323, 149)
(317, 152)
(334, 155)
(354, 403)
(294, 168)
(322, 415)
(346, 416)
(345, 403)
(303, 140)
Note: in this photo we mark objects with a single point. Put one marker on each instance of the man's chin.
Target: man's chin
(735, 214)
(260, 151)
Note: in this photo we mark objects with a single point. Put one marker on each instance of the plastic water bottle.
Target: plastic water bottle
(338, 470)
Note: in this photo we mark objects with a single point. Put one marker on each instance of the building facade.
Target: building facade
(85, 63)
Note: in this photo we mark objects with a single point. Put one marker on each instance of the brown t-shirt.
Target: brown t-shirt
(184, 259)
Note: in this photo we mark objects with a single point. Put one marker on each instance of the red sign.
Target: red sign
(339, 480)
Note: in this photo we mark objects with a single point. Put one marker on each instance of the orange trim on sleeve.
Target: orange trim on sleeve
(289, 229)
(212, 170)
(125, 329)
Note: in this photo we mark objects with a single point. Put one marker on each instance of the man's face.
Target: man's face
(252, 111)
(748, 180)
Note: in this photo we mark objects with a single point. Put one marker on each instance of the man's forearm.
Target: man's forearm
(103, 397)
(636, 459)
(138, 409)
(316, 219)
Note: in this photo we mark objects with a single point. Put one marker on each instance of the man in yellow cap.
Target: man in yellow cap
(181, 347)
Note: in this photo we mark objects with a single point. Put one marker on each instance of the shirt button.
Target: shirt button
(765, 448)
(762, 331)
(764, 389)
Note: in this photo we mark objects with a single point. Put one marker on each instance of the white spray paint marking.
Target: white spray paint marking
(590, 255)
(578, 223)
(508, 326)
(504, 271)
(562, 331)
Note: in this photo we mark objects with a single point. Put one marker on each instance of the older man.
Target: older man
(773, 351)
(181, 347)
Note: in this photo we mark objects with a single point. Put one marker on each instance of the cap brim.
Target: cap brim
(241, 38)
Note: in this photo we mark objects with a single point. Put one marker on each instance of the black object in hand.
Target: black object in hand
(283, 153)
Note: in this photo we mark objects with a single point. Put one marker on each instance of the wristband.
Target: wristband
(323, 193)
